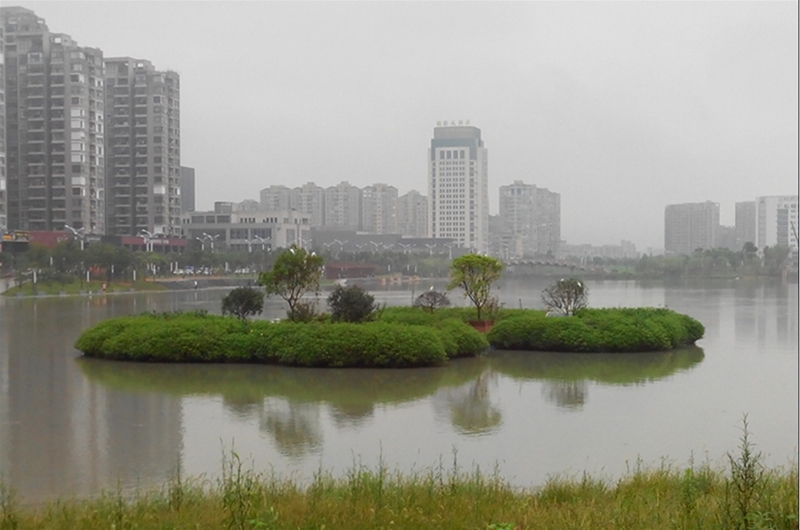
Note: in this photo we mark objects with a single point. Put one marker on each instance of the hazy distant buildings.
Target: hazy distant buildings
(690, 226)
(776, 221)
(458, 186)
(309, 198)
(3, 182)
(745, 223)
(343, 207)
(276, 198)
(54, 133)
(412, 214)
(187, 189)
(144, 158)
(379, 209)
(532, 217)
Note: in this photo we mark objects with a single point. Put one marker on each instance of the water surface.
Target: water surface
(72, 426)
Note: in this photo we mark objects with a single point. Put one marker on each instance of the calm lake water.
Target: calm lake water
(73, 427)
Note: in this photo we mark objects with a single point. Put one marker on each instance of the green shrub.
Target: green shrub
(351, 304)
(597, 330)
(187, 338)
(243, 302)
(358, 345)
(465, 340)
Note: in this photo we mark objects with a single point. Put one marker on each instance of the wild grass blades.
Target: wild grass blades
(441, 497)
(240, 490)
(747, 474)
(8, 509)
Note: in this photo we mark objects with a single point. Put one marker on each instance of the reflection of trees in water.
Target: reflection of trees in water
(295, 427)
(241, 409)
(570, 395)
(469, 406)
(351, 415)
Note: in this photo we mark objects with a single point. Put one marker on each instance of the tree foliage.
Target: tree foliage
(431, 300)
(566, 296)
(475, 274)
(243, 302)
(351, 304)
(294, 273)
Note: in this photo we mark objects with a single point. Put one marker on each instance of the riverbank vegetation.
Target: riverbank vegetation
(597, 330)
(200, 337)
(745, 495)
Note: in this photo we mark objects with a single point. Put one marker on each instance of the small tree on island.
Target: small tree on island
(475, 274)
(430, 300)
(351, 304)
(243, 302)
(566, 296)
(295, 273)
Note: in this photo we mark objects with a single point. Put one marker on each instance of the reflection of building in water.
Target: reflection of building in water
(469, 407)
(570, 395)
(62, 434)
(706, 305)
(295, 427)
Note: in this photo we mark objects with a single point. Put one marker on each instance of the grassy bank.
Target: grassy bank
(695, 497)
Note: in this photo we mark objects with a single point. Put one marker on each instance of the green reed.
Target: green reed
(744, 495)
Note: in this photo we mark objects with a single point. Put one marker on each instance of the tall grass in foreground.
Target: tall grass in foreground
(746, 496)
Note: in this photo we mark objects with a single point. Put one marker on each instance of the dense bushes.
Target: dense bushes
(206, 338)
(421, 316)
(597, 330)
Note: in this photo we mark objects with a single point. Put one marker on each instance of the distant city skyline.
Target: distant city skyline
(621, 107)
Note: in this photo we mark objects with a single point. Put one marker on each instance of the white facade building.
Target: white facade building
(458, 186)
(776, 221)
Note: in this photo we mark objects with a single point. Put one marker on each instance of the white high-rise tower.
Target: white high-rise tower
(458, 186)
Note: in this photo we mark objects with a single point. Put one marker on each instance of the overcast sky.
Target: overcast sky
(621, 107)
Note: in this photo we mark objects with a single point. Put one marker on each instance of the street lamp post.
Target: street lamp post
(450, 249)
(211, 239)
(77, 234)
(430, 246)
(263, 241)
(405, 247)
(148, 239)
(341, 246)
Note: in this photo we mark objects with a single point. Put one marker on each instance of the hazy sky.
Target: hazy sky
(621, 107)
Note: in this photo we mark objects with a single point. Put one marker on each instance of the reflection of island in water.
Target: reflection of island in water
(287, 401)
(565, 374)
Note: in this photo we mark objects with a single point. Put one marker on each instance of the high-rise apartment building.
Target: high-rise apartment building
(745, 228)
(532, 218)
(54, 127)
(3, 217)
(343, 207)
(187, 189)
(412, 214)
(458, 185)
(276, 198)
(776, 221)
(690, 226)
(309, 198)
(379, 209)
(144, 157)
